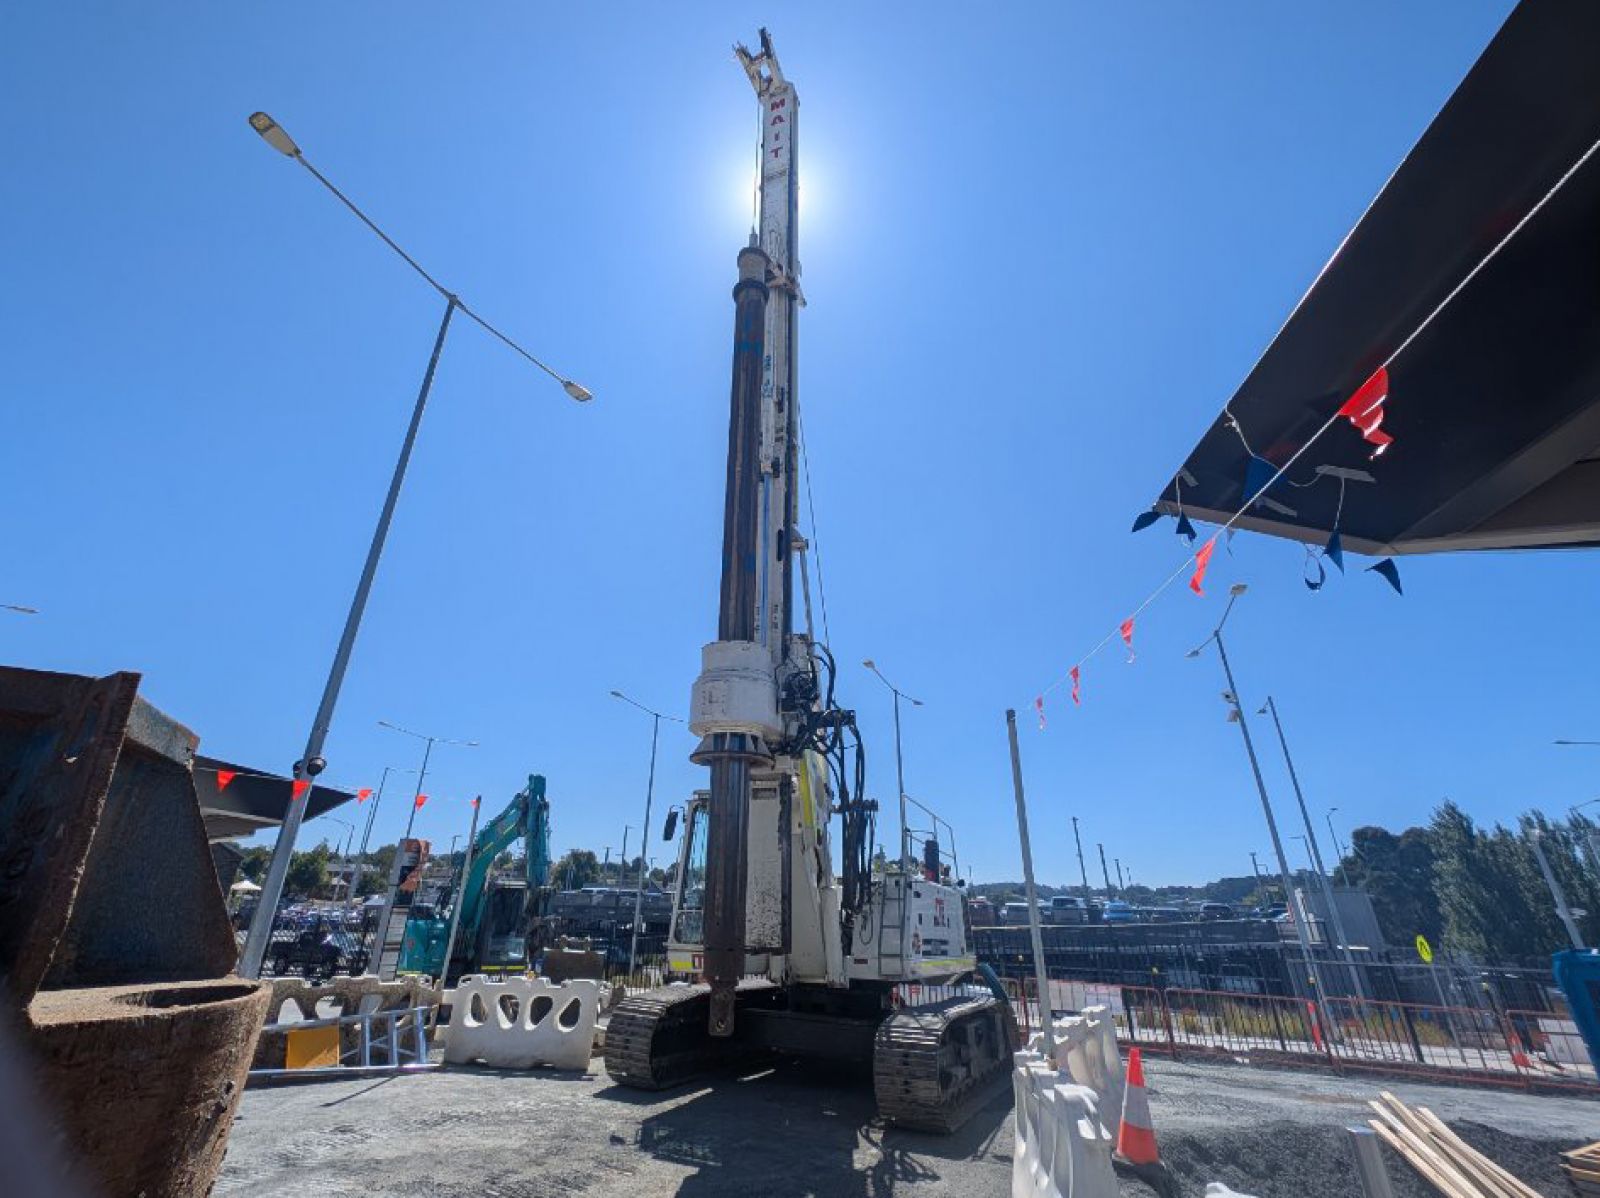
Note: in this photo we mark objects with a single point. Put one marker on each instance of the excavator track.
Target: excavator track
(934, 1065)
(658, 1039)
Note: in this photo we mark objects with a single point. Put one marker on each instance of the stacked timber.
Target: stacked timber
(1446, 1161)
(1583, 1170)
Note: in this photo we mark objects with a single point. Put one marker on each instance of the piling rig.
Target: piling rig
(792, 956)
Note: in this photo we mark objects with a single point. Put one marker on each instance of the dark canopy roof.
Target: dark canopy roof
(252, 800)
(1495, 407)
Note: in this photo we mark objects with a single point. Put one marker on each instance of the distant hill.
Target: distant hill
(1245, 891)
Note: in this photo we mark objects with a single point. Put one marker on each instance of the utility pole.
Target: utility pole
(1104, 872)
(1082, 872)
(1121, 885)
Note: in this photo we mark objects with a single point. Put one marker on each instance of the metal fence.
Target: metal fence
(1528, 1049)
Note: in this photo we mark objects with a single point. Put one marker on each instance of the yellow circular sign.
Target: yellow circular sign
(1424, 950)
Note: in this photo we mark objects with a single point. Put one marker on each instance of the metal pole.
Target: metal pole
(455, 907)
(1301, 931)
(1564, 911)
(311, 762)
(638, 898)
(1122, 886)
(1338, 848)
(1104, 872)
(1082, 871)
(1370, 1166)
(1334, 919)
(388, 905)
(1046, 1022)
(622, 858)
(900, 785)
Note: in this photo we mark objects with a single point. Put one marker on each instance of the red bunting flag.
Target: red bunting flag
(421, 799)
(1127, 636)
(475, 801)
(224, 777)
(1038, 705)
(363, 794)
(1364, 409)
(297, 788)
(1202, 559)
(1073, 674)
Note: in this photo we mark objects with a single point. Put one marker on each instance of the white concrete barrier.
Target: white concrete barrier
(1062, 1149)
(1085, 1047)
(521, 1022)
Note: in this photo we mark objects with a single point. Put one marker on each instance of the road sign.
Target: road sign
(1424, 950)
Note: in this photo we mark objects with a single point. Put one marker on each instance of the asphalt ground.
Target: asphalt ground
(797, 1130)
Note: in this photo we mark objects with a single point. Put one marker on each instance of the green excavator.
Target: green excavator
(497, 914)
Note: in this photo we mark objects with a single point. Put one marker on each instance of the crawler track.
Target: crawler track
(658, 1038)
(934, 1065)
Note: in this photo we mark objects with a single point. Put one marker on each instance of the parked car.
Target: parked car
(1216, 911)
(1064, 908)
(1117, 911)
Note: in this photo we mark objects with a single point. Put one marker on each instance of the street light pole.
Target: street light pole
(1338, 847)
(366, 835)
(1082, 871)
(899, 764)
(311, 761)
(1335, 921)
(649, 791)
(1232, 698)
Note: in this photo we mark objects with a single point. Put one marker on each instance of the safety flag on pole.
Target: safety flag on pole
(421, 799)
(297, 788)
(1202, 559)
(1038, 705)
(1127, 637)
(224, 777)
(1364, 409)
(363, 794)
(475, 801)
(1073, 674)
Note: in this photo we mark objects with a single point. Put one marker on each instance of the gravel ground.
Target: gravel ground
(805, 1131)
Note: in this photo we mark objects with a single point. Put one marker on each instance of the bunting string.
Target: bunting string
(1363, 409)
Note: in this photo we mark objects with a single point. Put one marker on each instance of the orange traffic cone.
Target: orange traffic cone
(1136, 1139)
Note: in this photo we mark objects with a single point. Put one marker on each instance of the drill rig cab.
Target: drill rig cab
(795, 957)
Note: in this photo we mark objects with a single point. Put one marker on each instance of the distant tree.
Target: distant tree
(254, 864)
(308, 872)
(577, 869)
(1397, 872)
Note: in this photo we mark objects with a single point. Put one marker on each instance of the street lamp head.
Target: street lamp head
(1230, 697)
(1262, 710)
(914, 702)
(871, 665)
(618, 695)
(1238, 589)
(273, 134)
(577, 390)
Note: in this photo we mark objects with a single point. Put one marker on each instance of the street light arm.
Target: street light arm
(275, 136)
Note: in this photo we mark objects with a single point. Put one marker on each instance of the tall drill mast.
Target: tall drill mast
(734, 705)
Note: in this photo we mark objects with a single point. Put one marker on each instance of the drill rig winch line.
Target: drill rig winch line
(791, 957)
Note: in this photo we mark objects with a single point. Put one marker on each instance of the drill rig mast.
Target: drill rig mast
(791, 957)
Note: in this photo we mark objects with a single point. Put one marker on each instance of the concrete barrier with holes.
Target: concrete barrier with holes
(521, 1022)
(1062, 1149)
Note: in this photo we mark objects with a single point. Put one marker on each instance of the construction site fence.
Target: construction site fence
(1525, 1049)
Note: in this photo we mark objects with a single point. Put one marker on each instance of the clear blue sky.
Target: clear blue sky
(1042, 245)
